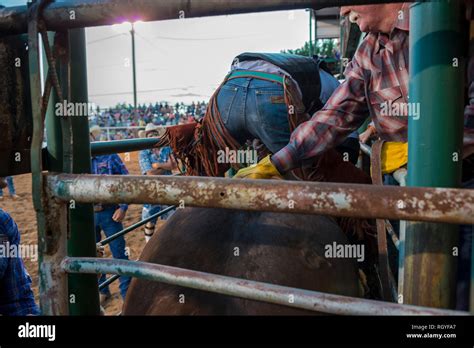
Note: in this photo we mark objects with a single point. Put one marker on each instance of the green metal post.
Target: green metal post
(83, 288)
(435, 140)
(132, 32)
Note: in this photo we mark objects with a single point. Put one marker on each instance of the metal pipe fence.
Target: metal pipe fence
(91, 13)
(247, 289)
(419, 204)
(349, 200)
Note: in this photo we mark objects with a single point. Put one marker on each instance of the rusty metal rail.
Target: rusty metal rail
(88, 13)
(364, 201)
(248, 289)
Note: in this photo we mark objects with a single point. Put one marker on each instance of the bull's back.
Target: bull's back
(283, 249)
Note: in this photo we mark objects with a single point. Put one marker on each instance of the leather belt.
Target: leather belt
(256, 74)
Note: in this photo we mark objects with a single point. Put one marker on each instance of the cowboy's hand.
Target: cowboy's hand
(100, 250)
(119, 215)
(262, 170)
(364, 136)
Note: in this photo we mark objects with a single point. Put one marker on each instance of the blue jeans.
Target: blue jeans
(104, 222)
(253, 108)
(149, 209)
(11, 186)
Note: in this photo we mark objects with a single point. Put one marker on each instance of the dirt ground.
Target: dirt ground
(23, 213)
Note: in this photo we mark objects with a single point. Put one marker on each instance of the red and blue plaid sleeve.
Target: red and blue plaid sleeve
(16, 296)
(344, 112)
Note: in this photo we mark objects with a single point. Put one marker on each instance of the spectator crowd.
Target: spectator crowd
(125, 116)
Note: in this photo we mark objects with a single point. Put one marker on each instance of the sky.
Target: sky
(183, 59)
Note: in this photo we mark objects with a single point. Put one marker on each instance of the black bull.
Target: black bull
(283, 249)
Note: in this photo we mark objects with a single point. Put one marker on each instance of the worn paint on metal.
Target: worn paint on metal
(248, 289)
(16, 124)
(89, 13)
(364, 201)
(52, 279)
(51, 284)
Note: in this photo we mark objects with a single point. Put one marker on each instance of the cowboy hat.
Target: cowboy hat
(150, 127)
(95, 131)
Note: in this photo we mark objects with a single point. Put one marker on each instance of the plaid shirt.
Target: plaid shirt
(109, 165)
(16, 296)
(378, 74)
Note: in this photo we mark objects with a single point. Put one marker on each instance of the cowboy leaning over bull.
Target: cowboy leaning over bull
(252, 101)
(253, 104)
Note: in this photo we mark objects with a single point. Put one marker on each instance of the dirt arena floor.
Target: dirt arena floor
(23, 213)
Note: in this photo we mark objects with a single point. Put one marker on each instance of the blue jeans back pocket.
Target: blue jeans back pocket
(272, 110)
(225, 99)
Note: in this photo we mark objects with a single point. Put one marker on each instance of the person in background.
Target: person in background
(155, 162)
(16, 296)
(11, 188)
(108, 217)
